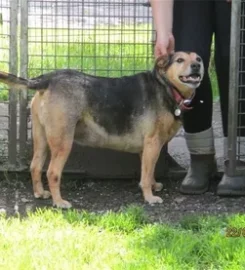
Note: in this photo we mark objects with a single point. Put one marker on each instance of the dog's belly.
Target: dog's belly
(91, 134)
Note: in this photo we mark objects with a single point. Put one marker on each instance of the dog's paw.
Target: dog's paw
(157, 186)
(62, 204)
(44, 195)
(154, 199)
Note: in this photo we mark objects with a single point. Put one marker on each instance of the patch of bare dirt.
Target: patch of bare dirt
(103, 195)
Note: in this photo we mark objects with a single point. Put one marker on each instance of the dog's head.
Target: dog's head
(184, 70)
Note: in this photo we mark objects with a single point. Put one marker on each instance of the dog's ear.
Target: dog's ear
(163, 62)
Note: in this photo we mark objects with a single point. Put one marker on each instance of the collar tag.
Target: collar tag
(177, 112)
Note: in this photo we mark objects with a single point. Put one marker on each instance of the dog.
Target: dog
(137, 114)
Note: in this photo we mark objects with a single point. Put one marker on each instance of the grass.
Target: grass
(50, 239)
(113, 52)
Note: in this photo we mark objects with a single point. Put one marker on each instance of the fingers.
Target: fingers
(171, 45)
(165, 46)
(160, 51)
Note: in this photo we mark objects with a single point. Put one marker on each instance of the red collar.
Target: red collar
(183, 104)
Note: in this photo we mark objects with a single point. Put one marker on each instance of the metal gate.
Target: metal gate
(8, 105)
(235, 163)
(106, 38)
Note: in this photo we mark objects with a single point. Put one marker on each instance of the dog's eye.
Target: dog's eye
(199, 59)
(180, 60)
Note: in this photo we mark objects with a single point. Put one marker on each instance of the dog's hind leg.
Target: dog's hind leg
(151, 151)
(39, 157)
(60, 143)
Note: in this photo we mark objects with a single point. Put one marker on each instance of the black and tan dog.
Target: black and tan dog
(137, 114)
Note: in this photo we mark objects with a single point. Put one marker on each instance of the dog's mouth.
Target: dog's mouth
(194, 78)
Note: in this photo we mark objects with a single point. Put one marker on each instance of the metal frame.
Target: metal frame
(12, 93)
(23, 98)
(233, 164)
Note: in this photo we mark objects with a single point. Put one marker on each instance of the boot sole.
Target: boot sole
(193, 192)
(230, 193)
(200, 191)
(225, 187)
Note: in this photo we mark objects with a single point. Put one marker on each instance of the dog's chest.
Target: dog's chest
(168, 126)
(174, 129)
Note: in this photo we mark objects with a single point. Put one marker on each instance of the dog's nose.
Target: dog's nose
(195, 66)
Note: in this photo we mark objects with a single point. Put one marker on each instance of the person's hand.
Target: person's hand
(164, 46)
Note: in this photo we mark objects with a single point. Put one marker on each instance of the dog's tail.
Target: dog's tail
(39, 83)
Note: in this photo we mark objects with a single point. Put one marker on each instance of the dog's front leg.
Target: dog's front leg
(151, 151)
(156, 186)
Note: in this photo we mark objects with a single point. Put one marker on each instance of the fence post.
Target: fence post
(233, 87)
(13, 68)
(23, 73)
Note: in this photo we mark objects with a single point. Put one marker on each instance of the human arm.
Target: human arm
(162, 12)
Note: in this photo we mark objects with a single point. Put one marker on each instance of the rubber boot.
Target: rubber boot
(231, 185)
(201, 170)
(202, 162)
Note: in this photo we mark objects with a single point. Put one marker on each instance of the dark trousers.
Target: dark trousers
(195, 23)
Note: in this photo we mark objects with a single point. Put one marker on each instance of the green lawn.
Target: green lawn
(50, 239)
(115, 51)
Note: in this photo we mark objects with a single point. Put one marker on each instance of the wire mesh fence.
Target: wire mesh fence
(105, 38)
(235, 164)
(241, 88)
(4, 65)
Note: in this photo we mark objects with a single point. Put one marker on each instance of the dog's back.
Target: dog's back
(113, 113)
